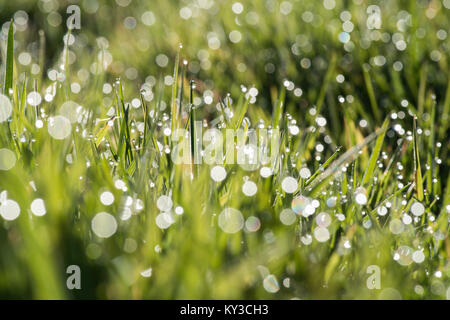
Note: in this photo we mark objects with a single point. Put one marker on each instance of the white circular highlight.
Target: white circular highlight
(231, 220)
(59, 127)
(5, 108)
(104, 225)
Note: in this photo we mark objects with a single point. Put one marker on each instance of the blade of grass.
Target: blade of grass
(347, 157)
(371, 93)
(326, 81)
(242, 112)
(324, 166)
(9, 59)
(175, 109)
(279, 108)
(417, 169)
(375, 154)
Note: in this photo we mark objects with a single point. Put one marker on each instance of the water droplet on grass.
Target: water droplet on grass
(231, 220)
(306, 240)
(164, 203)
(147, 273)
(321, 234)
(104, 225)
(7, 159)
(323, 219)
(382, 211)
(218, 173)
(5, 108)
(249, 188)
(287, 217)
(34, 99)
(305, 173)
(265, 172)
(164, 220)
(179, 210)
(70, 110)
(360, 196)
(417, 209)
(403, 255)
(418, 256)
(289, 185)
(270, 284)
(106, 198)
(252, 224)
(299, 204)
(396, 226)
(38, 207)
(59, 127)
(331, 202)
(10, 210)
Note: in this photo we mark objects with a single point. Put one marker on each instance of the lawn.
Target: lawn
(213, 149)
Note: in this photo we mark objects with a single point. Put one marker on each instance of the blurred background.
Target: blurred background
(262, 43)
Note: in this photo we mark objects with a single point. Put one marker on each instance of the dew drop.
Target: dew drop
(107, 198)
(265, 172)
(305, 173)
(249, 188)
(104, 225)
(252, 224)
(418, 256)
(38, 207)
(289, 185)
(321, 234)
(218, 173)
(287, 217)
(323, 219)
(360, 196)
(10, 210)
(417, 209)
(59, 127)
(5, 108)
(164, 220)
(7, 159)
(270, 284)
(34, 99)
(164, 203)
(299, 204)
(231, 220)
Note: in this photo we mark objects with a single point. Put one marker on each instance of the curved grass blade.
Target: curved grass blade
(350, 155)
(323, 167)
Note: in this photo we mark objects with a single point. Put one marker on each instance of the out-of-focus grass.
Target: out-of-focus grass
(303, 73)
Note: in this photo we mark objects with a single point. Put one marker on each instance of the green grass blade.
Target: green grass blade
(323, 167)
(417, 169)
(279, 108)
(375, 154)
(320, 182)
(174, 106)
(242, 112)
(9, 59)
(327, 80)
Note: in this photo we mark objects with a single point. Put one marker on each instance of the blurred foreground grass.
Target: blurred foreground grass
(89, 131)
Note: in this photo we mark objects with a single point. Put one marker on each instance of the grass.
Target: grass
(373, 137)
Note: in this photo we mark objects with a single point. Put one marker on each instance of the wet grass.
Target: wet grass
(360, 177)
